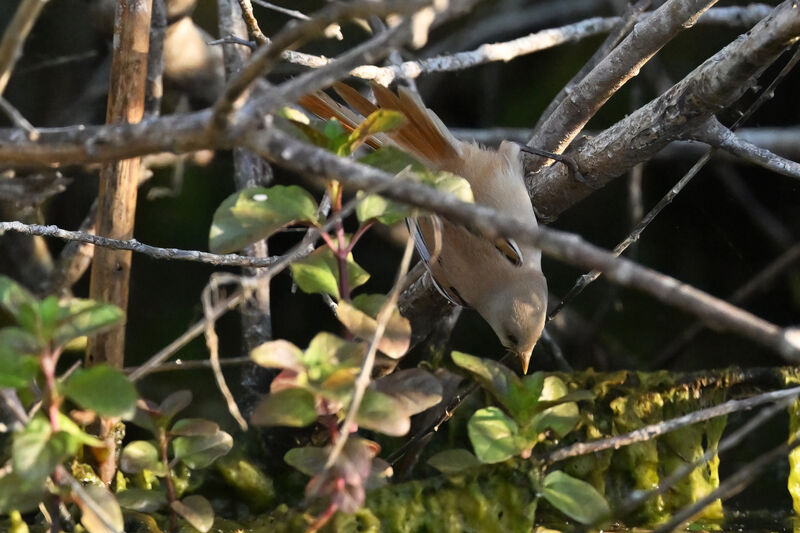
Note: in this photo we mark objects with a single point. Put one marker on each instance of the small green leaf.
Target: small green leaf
(415, 389)
(78, 317)
(69, 427)
(326, 352)
(309, 460)
(522, 400)
(100, 512)
(20, 494)
(16, 370)
(453, 461)
(381, 412)
(174, 404)
(335, 134)
(377, 122)
(196, 510)
(360, 318)
(289, 407)
(278, 354)
(20, 341)
(13, 296)
(254, 214)
(449, 183)
(391, 159)
(318, 272)
(575, 498)
(141, 455)
(376, 207)
(492, 376)
(36, 450)
(193, 427)
(493, 435)
(200, 452)
(142, 500)
(103, 390)
(560, 419)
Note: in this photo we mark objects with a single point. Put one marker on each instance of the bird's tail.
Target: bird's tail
(422, 135)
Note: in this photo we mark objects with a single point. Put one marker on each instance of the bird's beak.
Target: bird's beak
(524, 359)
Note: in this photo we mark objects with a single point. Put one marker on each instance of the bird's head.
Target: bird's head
(517, 315)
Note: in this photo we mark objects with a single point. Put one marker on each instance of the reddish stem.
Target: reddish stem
(324, 517)
(360, 233)
(171, 495)
(48, 362)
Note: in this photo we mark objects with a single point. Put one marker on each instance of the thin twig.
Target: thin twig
(252, 24)
(654, 430)
(15, 35)
(133, 245)
(191, 365)
(18, 119)
(364, 377)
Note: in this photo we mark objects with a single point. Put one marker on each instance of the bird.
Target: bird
(501, 280)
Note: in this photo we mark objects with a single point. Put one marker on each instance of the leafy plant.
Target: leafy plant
(30, 350)
(531, 409)
(194, 443)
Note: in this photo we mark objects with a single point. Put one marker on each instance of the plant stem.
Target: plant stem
(171, 495)
(48, 363)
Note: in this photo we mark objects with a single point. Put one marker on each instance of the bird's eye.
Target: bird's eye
(513, 340)
(510, 251)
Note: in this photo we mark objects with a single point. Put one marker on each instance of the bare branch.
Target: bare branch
(138, 247)
(712, 86)
(15, 35)
(654, 430)
(587, 96)
(487, 222)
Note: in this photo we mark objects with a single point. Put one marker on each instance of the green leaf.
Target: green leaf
(141, 455)
(492, 376)
(254, 214)
(16, 370)
(36, 450)
(415, 389)
(360, 318)
(560, 419)
(522, 400)
(20, 494)
(377, 122)
(453, 461)
(289, 407)
(335, 134)
(575, 498)
(196, 510)
(278, 354)
(174, 404)
(391, 159)
(381, 412)
(13, 296)
(142, 500)
(102, 389)
(318, 272)
(449, 183)
(69, 427)
(200, 452)
(376, 207)
(100, 512)
(493, 435)
(78, 317)
(309, 460)
(193, 427)
(20, 341)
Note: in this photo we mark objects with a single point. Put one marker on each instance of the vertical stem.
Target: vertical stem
(48, 365)
(171, 495)
(119, 180)
(341, 251)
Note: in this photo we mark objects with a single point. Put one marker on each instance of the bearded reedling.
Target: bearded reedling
(499, 279)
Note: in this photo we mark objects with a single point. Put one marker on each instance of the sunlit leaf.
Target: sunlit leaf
(335, 133)
(379, 121)
(493, 435)
(360, 318)
(278, 354)
(196, 510)
(36, 449)
(415, 389)
(102, 389)
(327, 353)
(13, 296)
(523, 397)
(318, 272)
(575, 498)
(200, 452)
(453, 461)
(68, 426)
(78, 317)
(100, 512)
(254, 214)
(560, 419)
(289, 407)
(449, 183)
(381, 412)
(492, 376)
(141, 455)
(142, 500)
(309, 460)
(391, 159)
(376, 207)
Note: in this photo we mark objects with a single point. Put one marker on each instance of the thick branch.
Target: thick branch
(491, 224)
(712, 86)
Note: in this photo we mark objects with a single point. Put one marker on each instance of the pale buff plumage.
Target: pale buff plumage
(509, 291)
